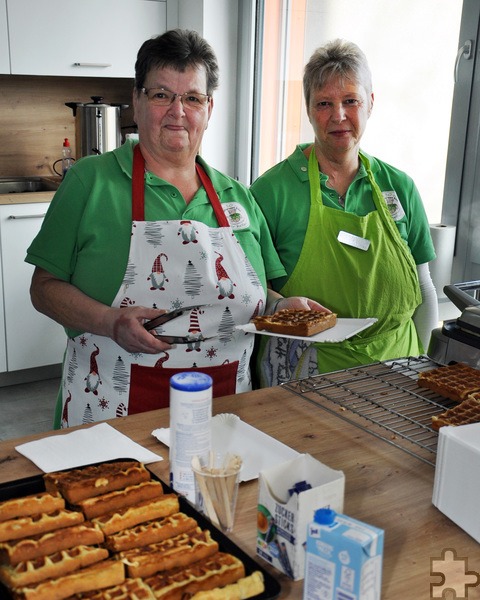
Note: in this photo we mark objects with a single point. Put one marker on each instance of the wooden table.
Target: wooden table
(385, 487)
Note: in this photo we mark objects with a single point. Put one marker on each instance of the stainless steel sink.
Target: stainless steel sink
(22, 185)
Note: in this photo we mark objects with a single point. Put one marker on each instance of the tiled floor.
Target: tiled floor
(27, 408)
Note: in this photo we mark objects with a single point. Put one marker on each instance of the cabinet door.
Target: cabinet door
(32, 339)
(91, 38)
(4, 52)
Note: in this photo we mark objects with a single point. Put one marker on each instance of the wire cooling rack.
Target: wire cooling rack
(382, 398)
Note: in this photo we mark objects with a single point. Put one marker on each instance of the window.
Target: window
(411, 46)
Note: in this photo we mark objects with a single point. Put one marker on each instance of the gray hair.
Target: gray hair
(338, 58)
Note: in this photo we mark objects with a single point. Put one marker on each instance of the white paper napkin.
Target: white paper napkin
(84, 447)
(258, 450)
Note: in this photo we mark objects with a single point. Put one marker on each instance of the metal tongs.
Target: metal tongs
(169, 316)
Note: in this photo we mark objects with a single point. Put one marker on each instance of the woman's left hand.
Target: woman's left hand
(299, 303)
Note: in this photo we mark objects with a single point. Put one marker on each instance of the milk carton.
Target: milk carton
(288, 496)
(343, 560)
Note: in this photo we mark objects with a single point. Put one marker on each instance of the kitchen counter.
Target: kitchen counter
(385, 487)
(26, 198)
(33, 197)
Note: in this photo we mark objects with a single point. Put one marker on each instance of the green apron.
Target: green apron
(379, 282)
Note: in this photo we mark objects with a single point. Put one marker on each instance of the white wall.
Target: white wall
(216, 21)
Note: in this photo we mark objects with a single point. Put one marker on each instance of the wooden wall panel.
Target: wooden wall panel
(34, 119)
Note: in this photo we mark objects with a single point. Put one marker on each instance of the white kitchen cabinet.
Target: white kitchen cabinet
(4, 51)
(91, 38)
(31, 339)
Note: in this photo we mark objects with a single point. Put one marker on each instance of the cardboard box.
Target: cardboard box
(343, 560)
(456, 487)
(282, 516)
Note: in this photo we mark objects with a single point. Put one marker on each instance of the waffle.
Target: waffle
(14, 529)
(455, 381)
(33, 504)
(17, 551)
(464, 413)
(130, 589)
(114, 501)
(247, 587)
(179, 551)
(176, 584)
(138, 513)
(302, 323)
(150, 533)
(100, 575)
(51, 566)
(79, 484)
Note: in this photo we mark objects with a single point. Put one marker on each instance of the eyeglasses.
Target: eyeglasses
(163, 97)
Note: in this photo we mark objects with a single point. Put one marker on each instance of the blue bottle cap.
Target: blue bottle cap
(325, 516)
(191, 381)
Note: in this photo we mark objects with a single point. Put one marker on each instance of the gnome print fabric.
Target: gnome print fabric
(172, 264)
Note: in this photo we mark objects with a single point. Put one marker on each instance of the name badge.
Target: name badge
(353, 240)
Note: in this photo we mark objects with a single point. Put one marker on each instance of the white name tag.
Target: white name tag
(353, 240)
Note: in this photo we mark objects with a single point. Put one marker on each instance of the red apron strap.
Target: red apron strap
(138, 185)
(138, 190)
(213, 197)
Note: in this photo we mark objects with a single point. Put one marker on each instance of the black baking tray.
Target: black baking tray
(35, 484)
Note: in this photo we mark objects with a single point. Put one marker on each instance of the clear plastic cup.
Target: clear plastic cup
(217, 477)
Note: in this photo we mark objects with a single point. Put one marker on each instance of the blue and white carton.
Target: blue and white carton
(343, 560)
(288, 496)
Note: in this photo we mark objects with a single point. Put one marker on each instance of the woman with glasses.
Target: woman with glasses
(359, 241)
(148, 228)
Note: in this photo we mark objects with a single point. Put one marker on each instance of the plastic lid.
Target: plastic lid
(66, 142)
(324, 516)
(191, 381)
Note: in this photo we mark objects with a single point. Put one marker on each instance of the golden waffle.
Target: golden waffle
(15, 529)
(302, 323)
(106, 573)
(150, 533)
(244, 588)
(78, 484)
(17, 551)
(452, 381)
(33, 504)
(138, 513)
(51, 566)
(219, 569)
(130, 589)
(179, 551)
(113, 501)
(464, 413)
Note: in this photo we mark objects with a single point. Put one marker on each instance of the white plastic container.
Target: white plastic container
(190, 427)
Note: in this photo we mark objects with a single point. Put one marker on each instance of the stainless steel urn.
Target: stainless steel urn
(97, 126)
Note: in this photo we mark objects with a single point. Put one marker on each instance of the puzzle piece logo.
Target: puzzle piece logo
(454, 576)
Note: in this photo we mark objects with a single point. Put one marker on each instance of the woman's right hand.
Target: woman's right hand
(125, 326)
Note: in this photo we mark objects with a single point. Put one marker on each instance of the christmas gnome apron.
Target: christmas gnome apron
(171, 264)
(380, 282)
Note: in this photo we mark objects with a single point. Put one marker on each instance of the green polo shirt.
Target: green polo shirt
(85, 236)
(283, 193)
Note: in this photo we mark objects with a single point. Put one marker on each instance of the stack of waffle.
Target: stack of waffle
(460, 383)
(110, 531)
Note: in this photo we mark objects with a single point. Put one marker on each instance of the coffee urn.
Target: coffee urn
(97, 126)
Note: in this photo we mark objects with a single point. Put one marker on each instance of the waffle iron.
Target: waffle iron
(458, 340)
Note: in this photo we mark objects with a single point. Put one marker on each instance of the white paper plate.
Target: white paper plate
(258, 450)
(343, 330)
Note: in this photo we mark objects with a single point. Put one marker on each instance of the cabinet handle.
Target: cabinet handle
(26, 216)
(99, 65)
